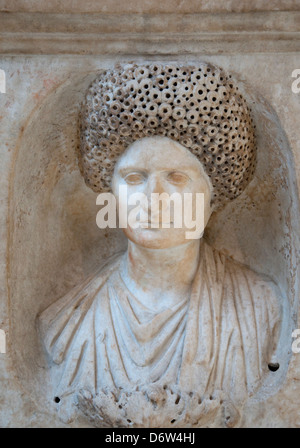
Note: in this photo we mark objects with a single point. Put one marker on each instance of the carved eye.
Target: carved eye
(178, 178)
(134, 178)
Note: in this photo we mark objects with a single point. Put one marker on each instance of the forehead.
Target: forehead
(157, 153)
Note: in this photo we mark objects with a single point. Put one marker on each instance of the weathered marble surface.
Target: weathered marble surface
(45, 208)
(158, 31)
(111, 6)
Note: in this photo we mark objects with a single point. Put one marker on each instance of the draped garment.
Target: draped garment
(100, 336)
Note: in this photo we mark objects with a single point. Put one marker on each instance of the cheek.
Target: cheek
(115, 183)
(205, 190)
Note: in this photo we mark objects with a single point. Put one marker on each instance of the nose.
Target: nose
(154, 185)
(156, 204)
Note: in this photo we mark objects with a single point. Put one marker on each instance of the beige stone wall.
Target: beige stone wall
(41, 254)
(148, 6)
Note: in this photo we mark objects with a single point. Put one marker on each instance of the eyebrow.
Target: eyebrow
(128, 169)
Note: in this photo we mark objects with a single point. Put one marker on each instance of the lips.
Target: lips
(150, 223)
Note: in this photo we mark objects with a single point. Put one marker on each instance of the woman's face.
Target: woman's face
(160, 165)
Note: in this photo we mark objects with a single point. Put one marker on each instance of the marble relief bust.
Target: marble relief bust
(172, 332)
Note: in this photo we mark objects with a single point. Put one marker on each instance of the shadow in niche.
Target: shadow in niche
(260, 228)
(56, 244)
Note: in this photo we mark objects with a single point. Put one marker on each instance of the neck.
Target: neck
(161, 273)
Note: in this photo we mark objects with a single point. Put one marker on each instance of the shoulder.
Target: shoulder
(256, 280)
(57, 323)
(255, 290)
(244, 285)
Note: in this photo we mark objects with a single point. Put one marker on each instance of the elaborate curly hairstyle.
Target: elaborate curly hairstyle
(199, 107)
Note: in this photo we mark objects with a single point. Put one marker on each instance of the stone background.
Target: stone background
(48, 236)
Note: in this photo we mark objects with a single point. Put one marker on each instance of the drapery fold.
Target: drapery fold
(100, 336)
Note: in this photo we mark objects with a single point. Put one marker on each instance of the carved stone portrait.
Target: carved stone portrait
(172, 330)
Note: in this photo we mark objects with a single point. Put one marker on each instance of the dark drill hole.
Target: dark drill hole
(57, 399)
(273, 366)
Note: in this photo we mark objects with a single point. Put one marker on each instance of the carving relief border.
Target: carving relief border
(146, 34)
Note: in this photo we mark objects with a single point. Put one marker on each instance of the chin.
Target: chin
(156, 238)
